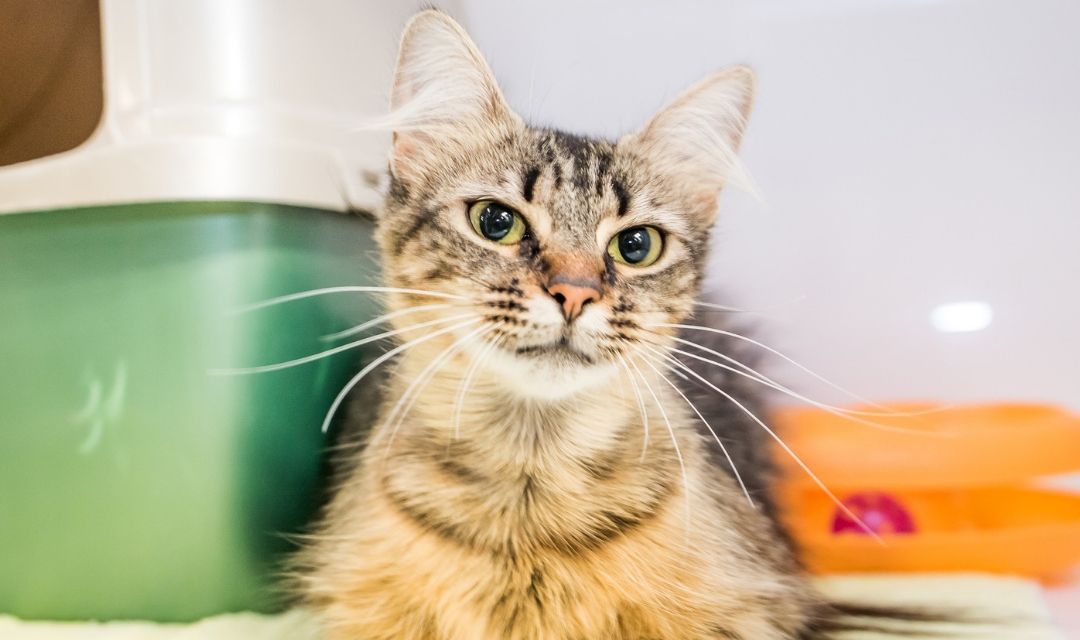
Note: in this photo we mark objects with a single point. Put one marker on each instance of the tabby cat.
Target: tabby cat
(536, 470)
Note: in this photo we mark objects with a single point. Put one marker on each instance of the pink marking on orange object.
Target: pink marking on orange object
(880, 512)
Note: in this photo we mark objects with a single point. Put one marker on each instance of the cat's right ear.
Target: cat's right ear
(697, 136)
(443, 94)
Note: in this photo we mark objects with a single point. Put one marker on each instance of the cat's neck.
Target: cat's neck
(476, 420)
(506, 459)
(507, 428)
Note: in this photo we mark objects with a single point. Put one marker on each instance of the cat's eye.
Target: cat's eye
(636, 246)
(497, 222)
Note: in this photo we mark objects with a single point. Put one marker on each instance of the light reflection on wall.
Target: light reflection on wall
(957, 317)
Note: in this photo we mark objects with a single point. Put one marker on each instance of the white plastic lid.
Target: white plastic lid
(240, 100)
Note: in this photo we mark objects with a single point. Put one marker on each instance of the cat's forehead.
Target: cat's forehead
(575, 179)
(580, 167)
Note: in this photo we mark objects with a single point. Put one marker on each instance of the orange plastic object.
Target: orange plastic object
(950, 490)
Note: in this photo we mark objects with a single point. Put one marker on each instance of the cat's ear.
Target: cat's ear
(443, 93)
(697, 135)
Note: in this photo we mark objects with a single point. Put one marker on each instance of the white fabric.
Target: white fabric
(1013, 599)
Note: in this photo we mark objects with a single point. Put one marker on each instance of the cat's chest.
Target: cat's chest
(516, 506)
(620, 588)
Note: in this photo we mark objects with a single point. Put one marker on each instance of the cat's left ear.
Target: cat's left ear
(696, 137)
(443, 94)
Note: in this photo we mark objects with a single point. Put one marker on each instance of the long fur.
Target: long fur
(531, 478)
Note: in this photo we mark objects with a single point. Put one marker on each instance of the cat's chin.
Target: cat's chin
(550, 373)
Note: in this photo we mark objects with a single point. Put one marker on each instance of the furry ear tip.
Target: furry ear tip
(428, 31)
(429, 18)
(742, 72)
(736, 85)
(739, 75)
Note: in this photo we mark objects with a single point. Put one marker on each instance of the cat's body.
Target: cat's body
(534, 472)
(545, 522)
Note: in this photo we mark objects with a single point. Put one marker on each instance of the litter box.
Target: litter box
(135, 484)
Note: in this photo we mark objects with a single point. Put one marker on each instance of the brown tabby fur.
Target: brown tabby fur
(549, 512)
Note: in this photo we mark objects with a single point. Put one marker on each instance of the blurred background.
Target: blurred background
(918, 164)
(918, 161)
(914, 235)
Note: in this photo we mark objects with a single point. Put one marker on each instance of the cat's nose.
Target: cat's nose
(573, 294)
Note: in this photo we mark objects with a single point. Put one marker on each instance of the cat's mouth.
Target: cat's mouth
(561, 348)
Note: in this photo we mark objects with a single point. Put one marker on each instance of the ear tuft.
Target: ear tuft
(698, 134)
(443, 92)
(438, 61)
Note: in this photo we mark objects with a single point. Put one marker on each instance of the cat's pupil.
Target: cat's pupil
(634, 244)
(495, 222)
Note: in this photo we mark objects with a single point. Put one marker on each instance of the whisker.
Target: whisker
(381, 359)
(773, 351)
(786, 389)
(641, 405)
(466, 382)
(758, 311)
(681, 376)
(329, 352)
(720, 307)
(731, 462)
(840, 505)
(724, 356)
(674, 440)
(328, 290)
(412, 392)
(360, 328)
(847, 414)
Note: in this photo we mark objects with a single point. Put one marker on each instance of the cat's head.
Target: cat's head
(563, 250)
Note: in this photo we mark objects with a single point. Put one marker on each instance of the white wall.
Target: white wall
(910, 153)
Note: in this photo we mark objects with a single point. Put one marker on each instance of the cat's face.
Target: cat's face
(565, 251)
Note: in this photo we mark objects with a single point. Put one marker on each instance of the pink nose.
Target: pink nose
(572, 295)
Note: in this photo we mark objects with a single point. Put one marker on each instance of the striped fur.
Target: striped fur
(549, 512)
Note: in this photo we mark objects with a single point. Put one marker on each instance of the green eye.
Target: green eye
(636, 246)
(497, 222)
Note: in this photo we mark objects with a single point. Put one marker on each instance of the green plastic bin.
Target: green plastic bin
(133, 484)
